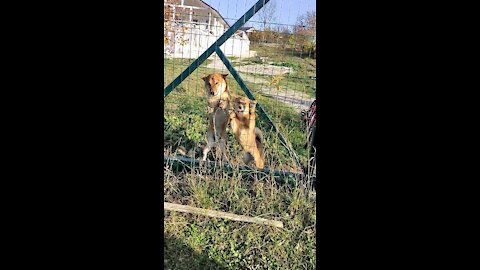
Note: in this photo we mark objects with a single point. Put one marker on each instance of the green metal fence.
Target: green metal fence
(276, 93)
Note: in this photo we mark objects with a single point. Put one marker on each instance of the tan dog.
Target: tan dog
(242, 121)
(218, 117)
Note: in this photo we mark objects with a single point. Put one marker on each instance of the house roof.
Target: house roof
(245, 28)
(215, 12)
(218, 13)
(195, 3)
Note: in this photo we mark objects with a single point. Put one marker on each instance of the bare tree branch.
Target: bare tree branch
(267, 13)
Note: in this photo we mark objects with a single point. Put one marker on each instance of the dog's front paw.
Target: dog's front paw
(252, 106)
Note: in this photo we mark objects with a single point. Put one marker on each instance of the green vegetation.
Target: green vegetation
(281, 55)
(199, 242)
(185, 117)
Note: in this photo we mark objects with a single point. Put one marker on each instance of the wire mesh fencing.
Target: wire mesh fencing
(274, 54)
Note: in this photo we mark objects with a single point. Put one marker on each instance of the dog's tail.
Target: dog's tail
(259, 141)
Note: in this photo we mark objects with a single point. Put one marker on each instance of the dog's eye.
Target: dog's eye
(216, 83)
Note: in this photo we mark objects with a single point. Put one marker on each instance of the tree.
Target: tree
(173, 33)
(267, 13)
(168, 18)
(305, 32)
(307, 24)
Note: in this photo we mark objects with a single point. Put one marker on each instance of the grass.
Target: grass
(303, 68)
(199, 242)
(185, 125)
(185, 111)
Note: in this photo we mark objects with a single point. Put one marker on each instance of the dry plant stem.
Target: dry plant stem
(218, 214)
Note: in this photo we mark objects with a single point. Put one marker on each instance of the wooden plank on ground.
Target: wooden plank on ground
(219, 214)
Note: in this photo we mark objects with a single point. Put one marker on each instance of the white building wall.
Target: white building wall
(237, 47)
(199, 40)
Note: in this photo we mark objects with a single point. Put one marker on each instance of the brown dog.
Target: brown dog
(242, 121)
(218, 117)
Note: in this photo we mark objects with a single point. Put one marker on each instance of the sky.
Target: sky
(287, 10)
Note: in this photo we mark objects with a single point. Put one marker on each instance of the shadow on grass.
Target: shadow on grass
(178, 255)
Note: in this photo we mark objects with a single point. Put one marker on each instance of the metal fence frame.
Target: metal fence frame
(215, 47)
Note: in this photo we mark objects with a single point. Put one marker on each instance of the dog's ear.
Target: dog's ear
(224, 75)
(204, 78)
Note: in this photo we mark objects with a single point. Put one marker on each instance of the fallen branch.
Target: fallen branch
(218, 214)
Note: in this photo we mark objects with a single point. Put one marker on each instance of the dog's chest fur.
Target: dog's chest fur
(222, 102)
(242, 128)
(218, 111)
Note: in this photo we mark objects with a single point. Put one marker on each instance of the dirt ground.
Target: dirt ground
(263, 69)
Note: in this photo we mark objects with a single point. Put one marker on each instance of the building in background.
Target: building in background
(193, 26)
